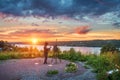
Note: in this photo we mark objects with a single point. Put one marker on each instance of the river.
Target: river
(84, 50)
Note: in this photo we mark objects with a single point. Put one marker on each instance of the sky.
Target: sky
(64, 20)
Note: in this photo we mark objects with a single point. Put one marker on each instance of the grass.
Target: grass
(9, 55)
(18, 55)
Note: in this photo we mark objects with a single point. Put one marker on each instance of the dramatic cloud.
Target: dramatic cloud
(117, 24)
(74, 9)
(53, 18)
(35, 24)
(2, 15)
(44, 21)
(58, 7)
(82, 29)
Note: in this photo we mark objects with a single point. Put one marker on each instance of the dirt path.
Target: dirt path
(34, 69)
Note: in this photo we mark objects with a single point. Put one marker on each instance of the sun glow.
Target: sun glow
(34, 41)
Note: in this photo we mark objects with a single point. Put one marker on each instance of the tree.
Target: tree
(5, 46)
(109, 48)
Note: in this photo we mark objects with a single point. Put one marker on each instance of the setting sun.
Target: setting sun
(34, 41)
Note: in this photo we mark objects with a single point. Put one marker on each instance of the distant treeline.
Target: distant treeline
(92, 43)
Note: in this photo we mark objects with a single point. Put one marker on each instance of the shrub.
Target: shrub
(109, 48)
(102, 76)
(4, 56)
(52, 72)
(99, 63)
(72, 55)
(71, 67)
(5, 46)
(115, 76)
(116, 61)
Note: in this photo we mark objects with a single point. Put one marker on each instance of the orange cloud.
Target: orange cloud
(82, 29)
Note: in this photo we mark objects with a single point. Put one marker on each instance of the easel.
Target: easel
(55, 53)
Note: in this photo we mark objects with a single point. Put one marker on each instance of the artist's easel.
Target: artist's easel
(55, 54)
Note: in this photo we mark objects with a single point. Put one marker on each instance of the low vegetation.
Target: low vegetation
(109, 48)
(19, 55)
(72, 55)
(52, 72)
(71, 67)
(109, 60)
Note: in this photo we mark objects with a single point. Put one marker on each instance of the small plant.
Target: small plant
(87, 67)
(52, 72)
(71, 67)
(71, 64)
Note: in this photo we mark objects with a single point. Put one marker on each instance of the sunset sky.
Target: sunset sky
(64, 20)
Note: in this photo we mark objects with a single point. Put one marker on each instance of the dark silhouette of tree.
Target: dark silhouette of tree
(5, 46)
(109, 48)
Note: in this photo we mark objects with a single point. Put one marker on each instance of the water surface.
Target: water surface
(84, 50)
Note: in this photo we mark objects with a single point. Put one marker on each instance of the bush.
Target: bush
(18, 55)
(99, 63)
(5, 46)
(116, 61)
(115, 76)
(52, 72)
(4, 56)
(72, 55)
(102, 76)
(71, 67)
(9, 55)
(109, 48)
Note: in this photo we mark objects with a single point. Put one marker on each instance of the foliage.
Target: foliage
(18, 55)
(10, 51)
(116, 61)
(71, 67)
(72, 55)
(115, 76)
(100, 63)
(70, 64)
(9, 55)
(5, 46)
(4, 56)
(103, 63)
(52, 72)
(109, 48)
(102, 76)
